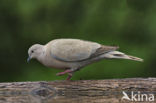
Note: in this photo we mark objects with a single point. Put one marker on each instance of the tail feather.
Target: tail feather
(120, 55)
(135, 58)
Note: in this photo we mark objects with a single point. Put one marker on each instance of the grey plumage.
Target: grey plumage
(73, 54)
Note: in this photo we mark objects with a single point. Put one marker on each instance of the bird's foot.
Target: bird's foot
(69, 76)
(66, 71)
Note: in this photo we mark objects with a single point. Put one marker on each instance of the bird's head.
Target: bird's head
(35, 51)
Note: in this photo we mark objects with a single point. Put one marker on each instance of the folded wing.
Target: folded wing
(74, 50)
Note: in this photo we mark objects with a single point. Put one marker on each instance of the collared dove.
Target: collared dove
(73, 54)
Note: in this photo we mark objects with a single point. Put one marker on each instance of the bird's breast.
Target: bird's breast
(53, 63)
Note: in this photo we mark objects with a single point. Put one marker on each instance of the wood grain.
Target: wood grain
(82, 91)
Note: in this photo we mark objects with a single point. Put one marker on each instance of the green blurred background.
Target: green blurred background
(131, 24)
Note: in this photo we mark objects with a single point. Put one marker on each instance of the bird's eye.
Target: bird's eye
(32, 51)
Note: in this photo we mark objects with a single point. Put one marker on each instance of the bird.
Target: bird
(72, 55)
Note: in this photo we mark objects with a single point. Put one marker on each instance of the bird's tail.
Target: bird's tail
(134, 58)
(120, 55)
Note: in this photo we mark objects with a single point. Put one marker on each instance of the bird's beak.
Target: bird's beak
(29, 58)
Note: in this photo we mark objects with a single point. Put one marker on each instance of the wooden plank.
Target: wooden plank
(82, 91)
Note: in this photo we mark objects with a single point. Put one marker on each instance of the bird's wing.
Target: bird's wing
(74, 50)
(103, 49)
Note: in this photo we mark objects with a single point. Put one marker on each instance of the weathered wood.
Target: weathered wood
(82, 91)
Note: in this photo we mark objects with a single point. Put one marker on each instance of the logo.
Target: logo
(138, 97)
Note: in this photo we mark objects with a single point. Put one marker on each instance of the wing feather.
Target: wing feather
(75, 50)
(104, 49)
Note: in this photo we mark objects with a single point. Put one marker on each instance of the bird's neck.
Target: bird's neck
(42, 54)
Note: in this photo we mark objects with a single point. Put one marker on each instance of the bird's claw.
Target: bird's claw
(69, 72)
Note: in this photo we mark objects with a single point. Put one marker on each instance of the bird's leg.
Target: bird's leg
(69, 76)
(69, 71)
(66, 71)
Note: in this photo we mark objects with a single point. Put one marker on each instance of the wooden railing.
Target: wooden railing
(82, 91)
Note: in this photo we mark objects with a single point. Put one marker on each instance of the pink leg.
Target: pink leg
(69, 76)
(62, 73)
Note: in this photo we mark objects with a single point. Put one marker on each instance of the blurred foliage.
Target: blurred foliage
(131, 24)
